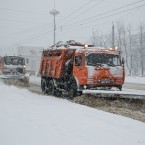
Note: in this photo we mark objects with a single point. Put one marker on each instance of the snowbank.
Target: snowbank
(137, 80)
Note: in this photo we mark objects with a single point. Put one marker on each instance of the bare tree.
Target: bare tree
(130, 49)
(141, 49)
(125, 46)
(119, 35)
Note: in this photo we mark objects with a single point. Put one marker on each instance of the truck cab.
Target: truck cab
(98, 68)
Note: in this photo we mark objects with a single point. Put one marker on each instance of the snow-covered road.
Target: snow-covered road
(31, 119)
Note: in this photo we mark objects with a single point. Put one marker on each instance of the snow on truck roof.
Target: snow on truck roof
(89, 49)
(71, 44)
(68, 44)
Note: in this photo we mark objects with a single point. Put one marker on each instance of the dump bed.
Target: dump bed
(53, 62)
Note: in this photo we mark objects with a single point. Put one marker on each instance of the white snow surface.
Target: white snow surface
(31, 119)
(135, 79)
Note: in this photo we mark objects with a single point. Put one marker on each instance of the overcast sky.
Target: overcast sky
(28, 22)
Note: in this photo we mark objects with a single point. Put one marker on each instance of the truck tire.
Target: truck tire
(120, 88)
(72, 92)
(51, 88)
(58, 93)
(43, 86)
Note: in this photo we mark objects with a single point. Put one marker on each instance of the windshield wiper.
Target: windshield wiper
(111, 64)
(99, 64)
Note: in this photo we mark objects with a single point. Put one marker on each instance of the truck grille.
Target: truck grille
(105, 81)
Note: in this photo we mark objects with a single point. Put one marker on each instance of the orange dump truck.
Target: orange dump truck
(70, 69)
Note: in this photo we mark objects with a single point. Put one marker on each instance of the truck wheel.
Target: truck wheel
(72, 93)
(120, 88)
(73, 89)
(79, 93)
(43, 86)
(51, 88)
(57, 93)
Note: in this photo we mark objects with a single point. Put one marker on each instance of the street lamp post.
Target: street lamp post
(54, 13)
(112, 35)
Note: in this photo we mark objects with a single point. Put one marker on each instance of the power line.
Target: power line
(105, 16)
(36, 36)
(116, 13)
(91, 21)
(89, 8)
(19, 21)
(75, 11)
(23, 11)
(107, 12)
(25, 31)
(78, 9)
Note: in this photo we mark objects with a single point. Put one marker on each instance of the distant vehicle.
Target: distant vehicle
(14, 67)
(72, 68)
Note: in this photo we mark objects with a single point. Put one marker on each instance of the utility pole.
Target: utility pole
(113, 35)
(54, 13)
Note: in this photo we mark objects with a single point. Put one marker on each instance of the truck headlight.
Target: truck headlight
(27, 75)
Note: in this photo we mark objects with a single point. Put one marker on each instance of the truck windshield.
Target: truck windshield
(94, 59)
(13, 60)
